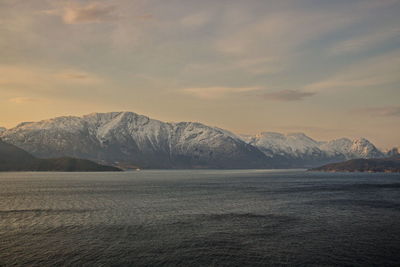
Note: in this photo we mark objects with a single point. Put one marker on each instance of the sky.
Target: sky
(326, 68)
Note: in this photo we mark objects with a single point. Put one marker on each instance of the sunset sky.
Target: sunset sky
(326, 68)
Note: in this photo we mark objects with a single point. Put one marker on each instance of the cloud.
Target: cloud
(376, 4)
(374, 71)
(389, 111)
(90, 13)
(252, 65)
(21, 76)
(366, 41)
(22, 100)
(216, 92)
(288, 95)
(78, 76)
(280, 33)
(43, 79)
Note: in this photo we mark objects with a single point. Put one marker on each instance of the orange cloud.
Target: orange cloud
(90, 13)
(22, 100)
(25, 75)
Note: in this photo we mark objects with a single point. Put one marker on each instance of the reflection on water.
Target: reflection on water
(201, 217)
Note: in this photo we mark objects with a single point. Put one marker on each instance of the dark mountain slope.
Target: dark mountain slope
(13, 158)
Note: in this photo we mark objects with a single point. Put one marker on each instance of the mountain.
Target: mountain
(393, 152)
(297, 149)
(13, 158)
(10, 154)
(2, 129)
(128, 138)
(391, 164)
(292, 150)
(356, 148)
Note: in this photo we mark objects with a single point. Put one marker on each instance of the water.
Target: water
(197, 218)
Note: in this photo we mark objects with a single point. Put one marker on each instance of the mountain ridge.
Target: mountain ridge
(134, 139)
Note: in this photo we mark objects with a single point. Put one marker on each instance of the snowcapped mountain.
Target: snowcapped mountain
(132, 139)
(295, 144)
(292, 150)
(129, 139)
(356, 148)
(297, 149)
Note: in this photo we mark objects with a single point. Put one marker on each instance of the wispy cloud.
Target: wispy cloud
(23, 100)
(90, 13)
(281, 32)
(288, 95)
(365, 41)
(216, 92)
(17, 75)
(251, 65)
(26, 76)
(78, 76)
(375, 71)
(389, 111)
(280, 35)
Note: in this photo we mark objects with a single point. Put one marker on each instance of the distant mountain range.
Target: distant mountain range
(129, 139)
(13, 158)
(299, 150)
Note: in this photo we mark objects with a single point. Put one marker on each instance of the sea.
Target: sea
(199, 218)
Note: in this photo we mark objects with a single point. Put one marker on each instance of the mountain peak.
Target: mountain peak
(393, 152)
(360, 141)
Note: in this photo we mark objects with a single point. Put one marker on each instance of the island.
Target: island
(13, 158)
(390, 164)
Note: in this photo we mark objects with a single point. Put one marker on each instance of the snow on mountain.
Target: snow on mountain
(356, 148)
(127, 137)
(302, 150)
(290, 150)
(2, 129)
(294, 144)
